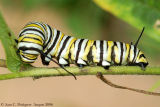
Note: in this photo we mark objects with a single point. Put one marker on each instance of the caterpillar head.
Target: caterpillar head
(141, 60)
(27, 51)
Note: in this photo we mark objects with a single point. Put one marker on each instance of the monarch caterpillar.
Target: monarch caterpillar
(37, 38)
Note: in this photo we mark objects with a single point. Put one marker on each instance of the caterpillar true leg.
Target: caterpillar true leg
(81, 65)
(106, 67)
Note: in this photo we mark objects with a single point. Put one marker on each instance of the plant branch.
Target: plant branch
(56, 71)
(100, 76)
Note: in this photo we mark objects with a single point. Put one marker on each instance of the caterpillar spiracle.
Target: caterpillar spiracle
(38, 38)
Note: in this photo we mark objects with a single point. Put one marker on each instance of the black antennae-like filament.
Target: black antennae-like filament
(58, 64)
(139, 37)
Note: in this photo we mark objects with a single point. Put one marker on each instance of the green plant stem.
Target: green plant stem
(46, 72)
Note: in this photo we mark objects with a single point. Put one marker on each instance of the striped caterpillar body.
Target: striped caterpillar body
(40, 39)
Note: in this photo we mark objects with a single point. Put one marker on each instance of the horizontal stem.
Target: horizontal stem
(115, 70)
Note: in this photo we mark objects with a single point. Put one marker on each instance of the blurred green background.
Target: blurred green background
(101, 19)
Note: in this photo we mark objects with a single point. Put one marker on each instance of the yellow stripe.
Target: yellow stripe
(142, 59)
(29, 56)
(72, 52)
(127, 51)
(67, 52)
(25, 60)
(35, 25)
(20, 38)
(55, 52)
(116, 54)
(110, 44)
(30, 35)
(44, 26)
(32, 40)
(87, 49)
(95, 60)
(131, 54)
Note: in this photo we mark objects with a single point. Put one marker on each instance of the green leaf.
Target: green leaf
(7, 39)
(137, 13)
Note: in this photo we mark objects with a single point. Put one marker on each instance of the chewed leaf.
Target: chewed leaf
(137, 13)
(7, 38)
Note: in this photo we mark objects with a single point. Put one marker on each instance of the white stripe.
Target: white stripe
(48, 33)
(28, 45)
(119, 50)
(98, 50)
(30, 52)
(80, 60)
(105, 63)
(47, 59)
(61, 44)
(52, 40)
(27, 60)
(82, 48)
(33, 32)
(104, 50)
(62, 61)
(32, 28)
(66, 47)
(76, 47)
(136, 54)
(131, 51)
(124, 53)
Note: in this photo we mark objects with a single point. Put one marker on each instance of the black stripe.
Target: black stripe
(113, 53)
(23, 48)
(63, 46)
(107, 46)
(107, 51)
(90, 56)
(135, 49)
(79, 49)
(29, 58)
(137, 55)
(49, 38)
(30, 42)
(121, 46)
(101, 52)
(129, 53)
(125, 48)
(54, 42)
(142, 55)
(87, 54)
(86, 45)
(30, 29)
(42, 25)
(32, 38)
(37, 23)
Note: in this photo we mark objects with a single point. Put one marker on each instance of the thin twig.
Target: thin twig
(100, 76)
